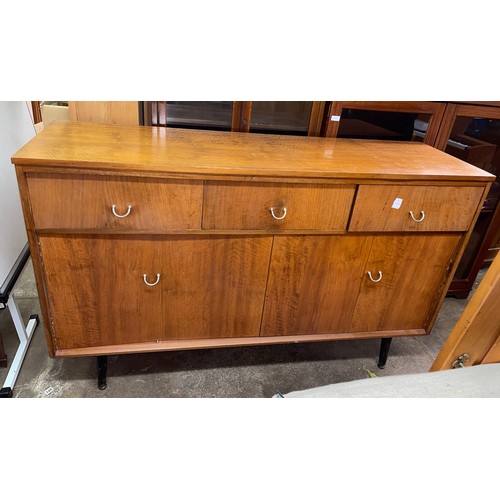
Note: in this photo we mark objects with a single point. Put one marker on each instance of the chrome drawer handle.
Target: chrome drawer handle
(113, 208)
(278, 218)
(422, 216)
(151, 284)
(379, 276)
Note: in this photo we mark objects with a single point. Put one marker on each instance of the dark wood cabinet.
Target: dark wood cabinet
(271, 117)
(471, 132)
(385, 120)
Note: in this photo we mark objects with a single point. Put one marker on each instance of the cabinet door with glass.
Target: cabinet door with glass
(385, 120)
(471, 132)
(271, 117)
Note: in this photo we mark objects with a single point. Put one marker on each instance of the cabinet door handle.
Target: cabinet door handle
(278, 218)
(113, 209)
(422, 216)
(378, 279)
(151, 284)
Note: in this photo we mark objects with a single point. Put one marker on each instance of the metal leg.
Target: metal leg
(384, 351)
(102, 370)
(25, 335)
(3, 356)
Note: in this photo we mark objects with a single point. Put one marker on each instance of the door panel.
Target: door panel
(214, 286)
(416, 263)
(97, 294)
(313, 284)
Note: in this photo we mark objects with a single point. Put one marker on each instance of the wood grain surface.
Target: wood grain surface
(98, 295)
(313, 284)
(445, 208)
(232, 205)
(85, 201)
(169, 150)
(413, 267)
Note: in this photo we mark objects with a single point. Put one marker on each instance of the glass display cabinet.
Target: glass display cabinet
(471, 132)
(272, 117)
(385, 120)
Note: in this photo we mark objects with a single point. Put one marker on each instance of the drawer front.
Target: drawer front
(97, 202)
(231, 205)
(414, 208)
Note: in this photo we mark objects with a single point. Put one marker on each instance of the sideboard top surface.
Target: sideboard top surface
(181, 151)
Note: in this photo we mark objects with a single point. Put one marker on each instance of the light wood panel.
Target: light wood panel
(313, 284)
(107, 112)
(413, 271)
(445, 208)
(231, 205)
(86, 201)
(169, 150)
(478, 329)
(185, 344)
(214, 286)
(96, 290)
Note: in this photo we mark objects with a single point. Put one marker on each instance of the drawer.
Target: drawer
(232, 205)
(98, 202)
(414, 208)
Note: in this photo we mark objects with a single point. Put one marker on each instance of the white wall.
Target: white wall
(16, 128)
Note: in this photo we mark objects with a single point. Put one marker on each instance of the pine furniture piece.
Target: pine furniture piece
(149, 239)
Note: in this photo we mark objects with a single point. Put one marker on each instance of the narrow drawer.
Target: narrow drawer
(232, 205)
(98, 202)
(414, 208)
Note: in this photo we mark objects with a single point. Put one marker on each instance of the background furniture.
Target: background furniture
(110, 112)
(275, 117)
(476, 336)
(261, 239)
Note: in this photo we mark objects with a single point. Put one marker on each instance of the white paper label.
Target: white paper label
(335, 118)
(397, 203)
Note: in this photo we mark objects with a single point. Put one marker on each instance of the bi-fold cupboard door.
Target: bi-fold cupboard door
(359, 283)
(111, 290)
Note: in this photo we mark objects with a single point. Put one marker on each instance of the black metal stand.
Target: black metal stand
(384, 351)
(102, 370)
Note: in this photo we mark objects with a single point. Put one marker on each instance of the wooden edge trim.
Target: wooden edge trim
(178, 345)
(456, 260)
(207, 173)
(98, 172)
(477, 319)
(35, 257)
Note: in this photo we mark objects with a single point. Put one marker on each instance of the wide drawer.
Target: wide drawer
(98, 202)
(414, 208)
(232, 205)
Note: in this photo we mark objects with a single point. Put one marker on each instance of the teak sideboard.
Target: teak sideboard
(150, 239)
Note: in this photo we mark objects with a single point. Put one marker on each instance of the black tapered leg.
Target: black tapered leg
(384, 351)
(102, 370)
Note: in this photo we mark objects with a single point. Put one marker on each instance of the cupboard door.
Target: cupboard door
(96, 288)
(407, 272)
(214, 286)
(313, 284)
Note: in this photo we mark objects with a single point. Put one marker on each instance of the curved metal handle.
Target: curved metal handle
(113, 209)
(379, 276)
(422, 216)
(278, 218)
(151, 284)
